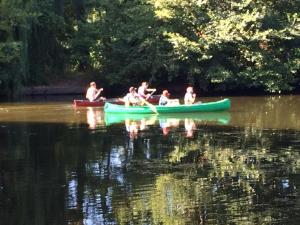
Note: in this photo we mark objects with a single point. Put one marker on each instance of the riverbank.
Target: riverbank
(69, 84)
(53, 90)
(77, 83)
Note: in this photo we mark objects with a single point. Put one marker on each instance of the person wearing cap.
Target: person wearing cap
(143, 89)
(190, 96)
(93, 93)
(164, 98)
(132, 98)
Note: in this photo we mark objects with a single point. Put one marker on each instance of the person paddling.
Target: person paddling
(132, 98)
(93, 93)
(143, 90)
(190, 96)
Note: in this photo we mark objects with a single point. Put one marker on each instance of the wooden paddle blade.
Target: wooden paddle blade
(151, 94)
(152, 107)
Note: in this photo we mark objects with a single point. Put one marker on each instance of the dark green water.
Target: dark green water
(60, 165)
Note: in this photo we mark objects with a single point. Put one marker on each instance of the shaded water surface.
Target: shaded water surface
(65, 165)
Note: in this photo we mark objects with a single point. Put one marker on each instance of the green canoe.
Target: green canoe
(197, 107)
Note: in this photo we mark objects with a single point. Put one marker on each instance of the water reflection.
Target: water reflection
(190, 126)
(236, 168)
(137, 122)
(167, 123)
(134, 126)
(269, 112)
(94, 117)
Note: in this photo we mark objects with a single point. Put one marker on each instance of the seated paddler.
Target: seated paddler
(143, 90)
(132, 98)
(93, 93)
(190, 96)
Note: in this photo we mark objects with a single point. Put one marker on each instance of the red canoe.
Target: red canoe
(154, 99)
(87, 103)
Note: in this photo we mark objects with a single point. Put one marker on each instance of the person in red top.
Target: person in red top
(164, 98)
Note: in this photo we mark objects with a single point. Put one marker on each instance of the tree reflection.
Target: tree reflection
(227, 181)
(223, 175)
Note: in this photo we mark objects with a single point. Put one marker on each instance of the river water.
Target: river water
(66, 165)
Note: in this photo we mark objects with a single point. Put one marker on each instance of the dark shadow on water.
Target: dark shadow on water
(69, 173)
(66, 165)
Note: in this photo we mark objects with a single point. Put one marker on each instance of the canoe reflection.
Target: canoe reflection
(137, 122)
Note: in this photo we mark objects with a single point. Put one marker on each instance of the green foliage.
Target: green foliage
(12, 17)
(9, 52)
(260, 35)
(131, 44)
(230, 44)
(10, 72)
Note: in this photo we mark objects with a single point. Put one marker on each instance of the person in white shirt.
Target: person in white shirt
(93, 93)
(143, 89)
(132, 98)
(190, 96)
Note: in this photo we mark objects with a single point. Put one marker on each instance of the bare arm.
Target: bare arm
(194, 97)
(98, 92)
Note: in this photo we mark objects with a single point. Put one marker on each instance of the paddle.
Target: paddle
(152, 107)
(98, 97)
(115, 100)
(154, 90)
